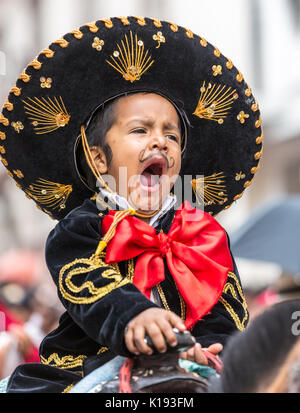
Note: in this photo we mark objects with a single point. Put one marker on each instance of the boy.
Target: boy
(143, 265)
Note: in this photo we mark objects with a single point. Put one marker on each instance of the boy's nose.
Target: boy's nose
(159, 141)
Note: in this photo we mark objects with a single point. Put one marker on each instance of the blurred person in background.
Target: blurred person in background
(25, 316)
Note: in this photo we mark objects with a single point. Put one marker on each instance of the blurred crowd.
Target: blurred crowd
(29, 307)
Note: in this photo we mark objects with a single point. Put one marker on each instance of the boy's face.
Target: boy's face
(145, 141)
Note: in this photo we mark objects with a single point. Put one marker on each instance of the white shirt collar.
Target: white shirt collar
(122, 202)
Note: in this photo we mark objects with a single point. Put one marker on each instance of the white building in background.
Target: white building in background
(261, 37)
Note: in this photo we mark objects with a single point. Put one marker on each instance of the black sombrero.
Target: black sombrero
(59, 90)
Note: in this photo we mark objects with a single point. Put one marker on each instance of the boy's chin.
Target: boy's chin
(148, 205)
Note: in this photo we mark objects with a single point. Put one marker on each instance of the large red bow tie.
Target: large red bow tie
(196, 251)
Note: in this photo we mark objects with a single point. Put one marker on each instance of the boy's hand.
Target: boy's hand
(197, 355)
(158, 324)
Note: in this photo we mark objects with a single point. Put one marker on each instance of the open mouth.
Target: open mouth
(151, 176)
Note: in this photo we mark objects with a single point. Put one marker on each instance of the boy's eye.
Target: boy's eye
(173, 137)
(139, 130)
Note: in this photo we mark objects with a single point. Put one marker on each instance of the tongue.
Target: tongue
(147, 179)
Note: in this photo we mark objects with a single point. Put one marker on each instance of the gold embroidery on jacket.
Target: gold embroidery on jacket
(68, 289)
(68, 388)
(102, 350)
(166, 305)
(65, 362)
(230, 288)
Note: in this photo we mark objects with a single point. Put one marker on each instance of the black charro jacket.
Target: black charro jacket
(101, 299)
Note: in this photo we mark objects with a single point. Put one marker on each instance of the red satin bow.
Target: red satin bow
(196, 251)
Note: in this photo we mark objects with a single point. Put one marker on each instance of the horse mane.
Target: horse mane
(253, 358)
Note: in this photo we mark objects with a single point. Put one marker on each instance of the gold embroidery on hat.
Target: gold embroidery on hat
(124, 20)
(8, 105)
(77, 34)
(229, 64)
(239, 77)
(48, 52)
(24, 77)
(46, 82)
(2, 136)
(97, 44)
(215, 102)
(238, 196)
(210, 190)
(51, 194)
(217, 52)
(258, 155)
(242, 116)
(203, 42)
(4, 120)
(159, 38)
(173, 27)
(62, 42)
(239, 176)
(189, 33)
(217, 70)
(92, 26)
(108, 23)
(130, 59)
(15, 90)
(259, 139)
(140, 20)
(248, 183)
(2, 150)
(258, 123)
(18, 126)
(157, 23)
(46, 114)
(248, 92)
(35, 64)
(4, 161)
(255, 169)
(255, 107)
(18, 173)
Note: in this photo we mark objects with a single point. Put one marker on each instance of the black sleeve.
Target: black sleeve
(229, 314)
(97, 296)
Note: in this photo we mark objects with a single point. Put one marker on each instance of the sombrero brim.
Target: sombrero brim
(58, 91)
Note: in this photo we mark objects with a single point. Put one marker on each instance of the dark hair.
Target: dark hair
(252, 358)
(100, 123)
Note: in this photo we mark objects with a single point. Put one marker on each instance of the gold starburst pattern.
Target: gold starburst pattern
(131, 59)
(210, 190)
(50, 194)
(215, 101)
(46, 114)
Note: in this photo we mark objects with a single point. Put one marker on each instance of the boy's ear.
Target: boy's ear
(99, 159)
